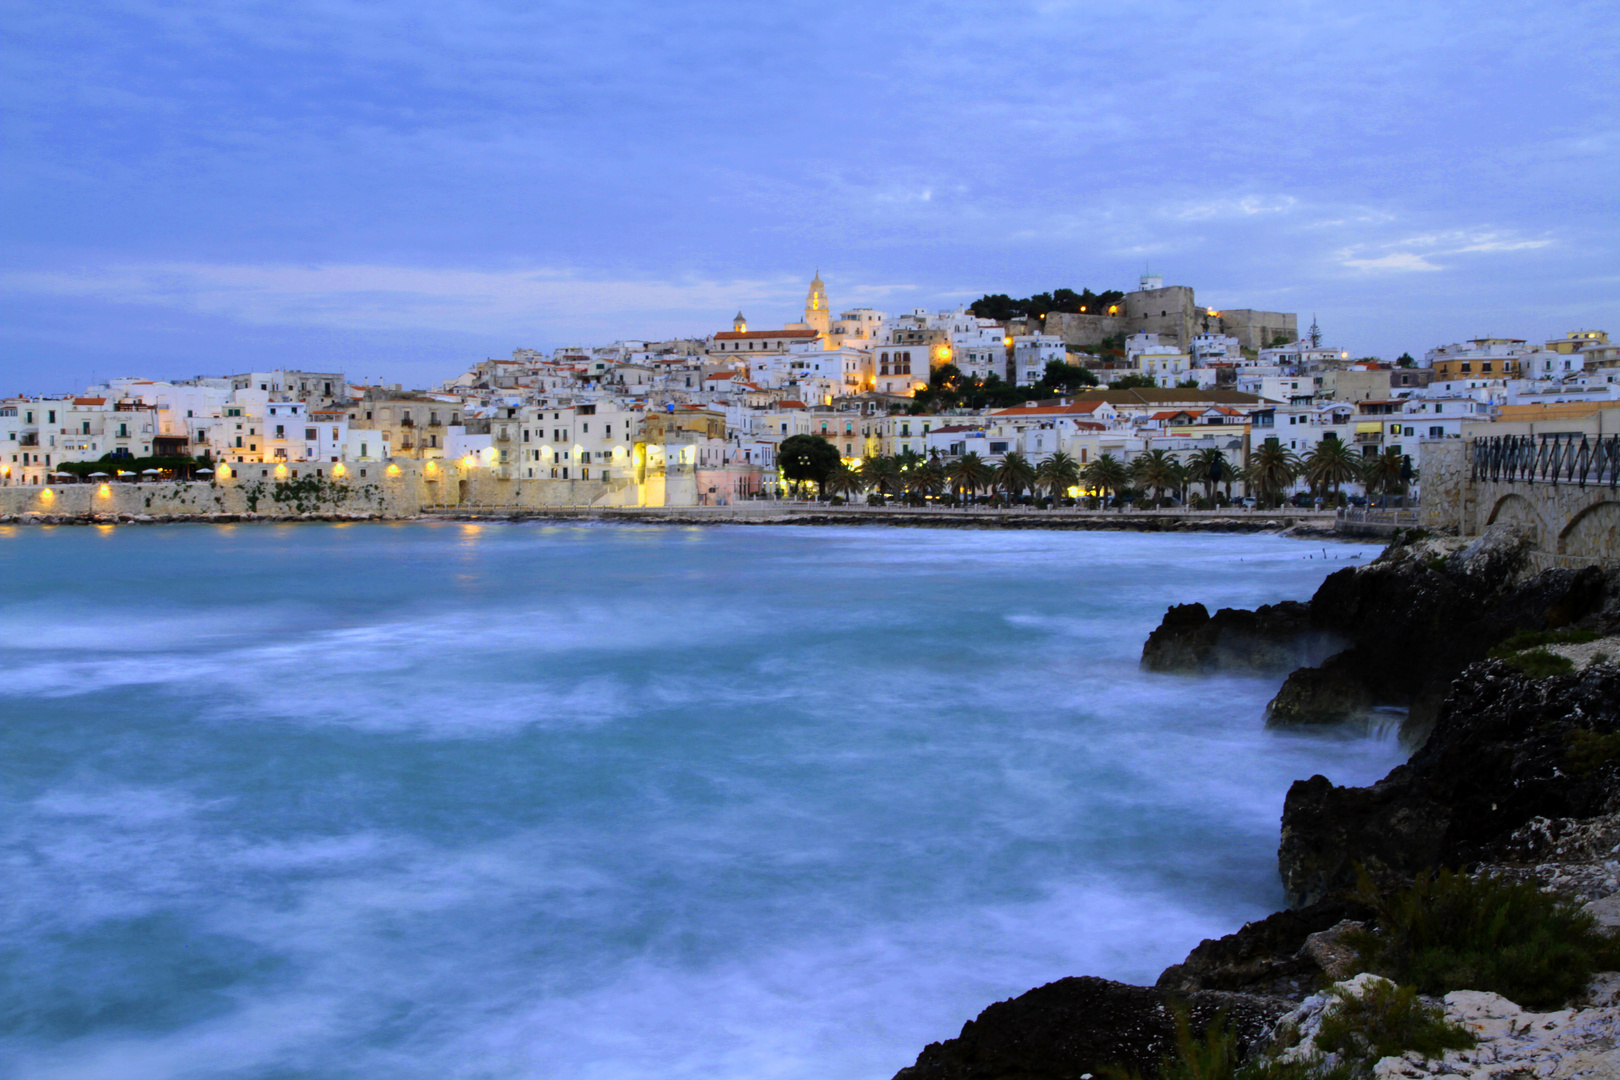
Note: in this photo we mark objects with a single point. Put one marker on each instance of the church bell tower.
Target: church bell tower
(815, 307)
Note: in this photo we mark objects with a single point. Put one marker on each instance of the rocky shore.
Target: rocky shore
(1515, 774)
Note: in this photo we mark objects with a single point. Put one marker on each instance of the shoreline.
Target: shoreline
(1315, 525)
(1498, 729)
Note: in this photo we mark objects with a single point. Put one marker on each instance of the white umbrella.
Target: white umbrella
(151, 472)
(98, 474)
(205, 472)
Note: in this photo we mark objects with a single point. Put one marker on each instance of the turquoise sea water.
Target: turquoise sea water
(517, 801)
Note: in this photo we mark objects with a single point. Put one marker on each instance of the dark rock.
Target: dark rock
(1072, 1027)
(1263, 957)
(1274, 637)
(1334, 693)
(1331, 951)
(1499, 757)
(1411, 621)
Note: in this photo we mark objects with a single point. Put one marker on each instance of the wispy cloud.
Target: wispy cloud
(372, 297)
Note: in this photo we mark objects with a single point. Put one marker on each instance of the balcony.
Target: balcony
(28, 438)
(407, 422)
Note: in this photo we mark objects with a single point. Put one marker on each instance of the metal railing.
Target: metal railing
(1547, 459)
(1371, 516)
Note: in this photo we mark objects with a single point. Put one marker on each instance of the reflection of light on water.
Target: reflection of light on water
(618, 803)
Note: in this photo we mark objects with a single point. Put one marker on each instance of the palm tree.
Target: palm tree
(1058, 474)
(1270, 470)
(968, 473)
(1388, 473)
(1208, 467)
(1107, 474)
(844, 482)
(1014, 474)
(1156, 469)
(1330, 463)
(927, 478)
(881, 474)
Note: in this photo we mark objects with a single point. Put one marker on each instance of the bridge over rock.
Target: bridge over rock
(1562, 490)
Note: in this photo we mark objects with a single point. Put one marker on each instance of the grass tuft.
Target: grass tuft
(1540, 664)
(1449, 931)
(1386, 1021)
(1589, 751)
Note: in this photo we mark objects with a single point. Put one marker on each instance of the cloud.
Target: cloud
(1397, 261)
(379, 297)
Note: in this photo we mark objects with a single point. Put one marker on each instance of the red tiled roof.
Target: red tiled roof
(792, 405)
(1050, 410)
(89, 401)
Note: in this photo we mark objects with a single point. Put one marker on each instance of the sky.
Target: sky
(400, 189)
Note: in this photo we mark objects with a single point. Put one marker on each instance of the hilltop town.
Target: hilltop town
(1145, 388)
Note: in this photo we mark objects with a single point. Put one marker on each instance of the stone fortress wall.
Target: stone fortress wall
(1173, 313)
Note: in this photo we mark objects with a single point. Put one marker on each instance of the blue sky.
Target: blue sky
(397, 189)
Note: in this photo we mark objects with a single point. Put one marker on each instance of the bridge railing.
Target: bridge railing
(1547, 459)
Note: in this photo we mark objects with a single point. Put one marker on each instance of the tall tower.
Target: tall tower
(815, 307)
(739, 324)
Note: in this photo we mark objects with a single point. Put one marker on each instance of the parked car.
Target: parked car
(1248, 502)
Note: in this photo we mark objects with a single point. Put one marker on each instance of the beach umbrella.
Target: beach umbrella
(98, 474)
(205, 472)
(151, 472)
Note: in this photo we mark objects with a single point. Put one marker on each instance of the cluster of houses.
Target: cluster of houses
(714, 410)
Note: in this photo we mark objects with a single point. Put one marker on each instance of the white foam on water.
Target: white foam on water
(619, 803)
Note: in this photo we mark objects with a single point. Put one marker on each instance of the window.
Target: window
(1437, 432)
(310, 433)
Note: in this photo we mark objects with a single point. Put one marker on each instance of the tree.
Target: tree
(806, 459)
(1063, 376)
(1187, 384)
(1270, 470)
(927, 479)
(1388, 473)
(1406, 360)
(1330, 463)
(1014, 474)
(1208, 467)
(1107, 474)
(881, 474)
(1135, 380)
(1156, 469)
(844, 482)
(1058, 474)
(968, 473)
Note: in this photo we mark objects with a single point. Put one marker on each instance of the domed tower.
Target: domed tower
(815, 307)
(740, 324)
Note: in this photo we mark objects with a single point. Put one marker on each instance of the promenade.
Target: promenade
(787, 512)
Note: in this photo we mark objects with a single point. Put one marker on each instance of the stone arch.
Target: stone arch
(1518, 511)
(1594, 533)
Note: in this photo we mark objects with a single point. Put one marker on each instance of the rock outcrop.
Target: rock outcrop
(1269, 956)
(1503, 753)
(1409, 622)
(1275, 637)
(1513, 1044)
(1077, 1027)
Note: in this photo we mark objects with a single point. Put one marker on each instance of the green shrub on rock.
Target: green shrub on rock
(1449, 931)
(1386, 1021)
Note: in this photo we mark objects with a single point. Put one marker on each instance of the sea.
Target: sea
(610, 803)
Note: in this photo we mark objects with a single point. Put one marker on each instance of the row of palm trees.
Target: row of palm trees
(1270, 472)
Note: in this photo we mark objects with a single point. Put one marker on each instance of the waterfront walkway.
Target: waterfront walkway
(810, 513)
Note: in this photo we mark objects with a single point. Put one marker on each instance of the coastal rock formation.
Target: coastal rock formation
(1271, 956)
(1076, 1027)
(1513, 1044)
(1410, 621)
(1276, 637)
(1505, 751)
